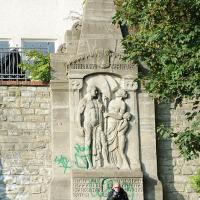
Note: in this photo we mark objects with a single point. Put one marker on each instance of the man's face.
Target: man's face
(116, 187)
(94, 92)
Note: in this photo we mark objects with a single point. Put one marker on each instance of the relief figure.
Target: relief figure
(90, 121)
(117, 126)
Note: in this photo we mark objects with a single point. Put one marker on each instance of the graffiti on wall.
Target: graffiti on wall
(102, 186)
(79, 161)
(63, 162)
(97, 187)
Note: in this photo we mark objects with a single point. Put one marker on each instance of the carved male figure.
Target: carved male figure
(90, 119)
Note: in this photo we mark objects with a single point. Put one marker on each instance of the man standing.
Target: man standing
(117, 193)
(90, 120)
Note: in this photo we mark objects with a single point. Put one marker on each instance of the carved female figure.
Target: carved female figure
(122, 129)
(116, 142)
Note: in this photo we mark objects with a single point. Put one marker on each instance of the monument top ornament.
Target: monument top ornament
(94, 43)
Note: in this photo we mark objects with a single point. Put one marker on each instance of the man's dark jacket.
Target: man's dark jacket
(121, 195)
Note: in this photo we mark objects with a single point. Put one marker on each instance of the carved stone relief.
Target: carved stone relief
(130, 84)
(103, 121)
(76, 84)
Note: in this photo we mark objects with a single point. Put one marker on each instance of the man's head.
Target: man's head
(92, 90)
(116, 187)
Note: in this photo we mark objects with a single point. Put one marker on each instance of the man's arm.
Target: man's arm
(81, 109)
(110, 196)
(125, 195)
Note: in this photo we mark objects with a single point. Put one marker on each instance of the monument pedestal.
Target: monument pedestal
(96, 184)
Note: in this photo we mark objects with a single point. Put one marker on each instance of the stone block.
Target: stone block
(177, 170)
(35, 189)
(15, 118)
(194, 196)
(25, 105)
(33, 118)
(35, 196)
(7, 147)
(186, 170)
(17, 170)
(45, 105)
(8, 180)
(188, 188)
(35, 179)
(27, 93)
(35, 105)
(42, 89)
(42, 100)
(27, 111)
(44, 94)
(15, 132)
(8, 99)
(28, 155)
(42, 111)
(27, 99)
(180, 179)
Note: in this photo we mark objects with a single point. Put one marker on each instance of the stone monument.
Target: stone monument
(102, 123)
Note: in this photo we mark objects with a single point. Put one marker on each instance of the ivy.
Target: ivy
(38, 65)
(164, 38)
(187, 141)
(195, 181)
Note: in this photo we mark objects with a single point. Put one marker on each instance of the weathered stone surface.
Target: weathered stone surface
(176, 183)
(24, 142)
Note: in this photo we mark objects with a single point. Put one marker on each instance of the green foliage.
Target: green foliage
(195, 181)
(187, 141)
(38, 65)
(166, 40)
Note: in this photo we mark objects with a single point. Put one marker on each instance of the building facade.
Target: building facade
(36, 23)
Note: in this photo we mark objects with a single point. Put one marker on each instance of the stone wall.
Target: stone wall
(174, 171)
(25, 147)
(25, 143)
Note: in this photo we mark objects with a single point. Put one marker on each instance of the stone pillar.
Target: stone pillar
(131, 86)
(60, 185)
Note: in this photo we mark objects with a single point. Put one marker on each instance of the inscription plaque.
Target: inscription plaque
(98, 188)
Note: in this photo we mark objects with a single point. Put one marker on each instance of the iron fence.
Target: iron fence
(10, 59)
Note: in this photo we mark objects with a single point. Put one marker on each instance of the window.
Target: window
(4, 44)
(40, 45)
(9, 61)
(4, 48)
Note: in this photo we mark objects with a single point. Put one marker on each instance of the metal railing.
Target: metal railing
(10, 58)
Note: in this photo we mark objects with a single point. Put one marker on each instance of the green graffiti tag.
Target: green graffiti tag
(62, 161)
(102, 186)
(80, 161)
(129, 189)
(80, 156)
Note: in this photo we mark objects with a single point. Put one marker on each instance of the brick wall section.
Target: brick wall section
(174, 171)
(25, 142)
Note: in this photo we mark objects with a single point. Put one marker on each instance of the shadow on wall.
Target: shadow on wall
(3, 195)
(166, 164)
